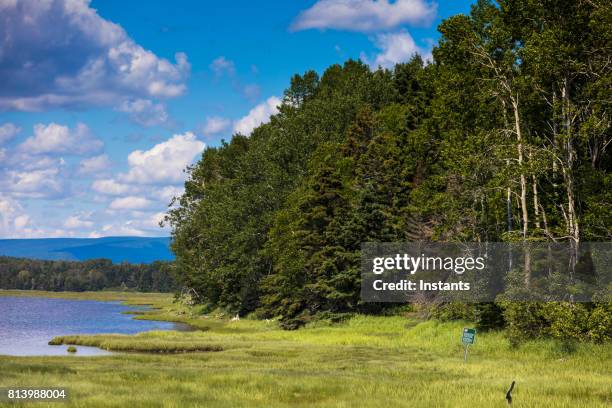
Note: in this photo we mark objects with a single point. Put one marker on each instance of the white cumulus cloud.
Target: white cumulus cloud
(8, 131)
(147, 220)
(164, 162)
(258, 115)
(77, 222)
(16, 223)
(94, 166)
(136, 199)
(110, 187)
(55, 138)
(61, 53)
(130, 203)
(41, 183)
(118, 229)
(167, 193)
(12, 217)
(145, 112)
(395, 48)
(365, 15)
(36, 169)
(215, 125)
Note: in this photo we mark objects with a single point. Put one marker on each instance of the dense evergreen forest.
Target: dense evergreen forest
(503, 136)
(95, 274)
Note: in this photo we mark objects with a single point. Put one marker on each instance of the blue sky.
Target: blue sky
(103, 104)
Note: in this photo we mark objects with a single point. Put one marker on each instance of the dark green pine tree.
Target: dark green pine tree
(311, 266)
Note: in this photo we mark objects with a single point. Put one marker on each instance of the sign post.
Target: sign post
(469, 336)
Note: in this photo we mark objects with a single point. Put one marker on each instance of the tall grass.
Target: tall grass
(364, 362)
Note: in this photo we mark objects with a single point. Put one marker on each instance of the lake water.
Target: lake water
(28, 323)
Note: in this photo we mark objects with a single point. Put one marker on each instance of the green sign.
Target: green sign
(469, 336)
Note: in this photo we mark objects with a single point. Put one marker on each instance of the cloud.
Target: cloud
(61, 53)
(141, 223)
(21, 221)
(221, 66)
(143, 192)
(16, 223)
(35, 170)
(365, 15)
(130, 203)
(110, 187)
(7, 132)
(13, 219)
(147, 220)
(23, 161)
(145, 112)
(395, 48)
(118, 229)
(167, 193)
(258, 115)
(76, 222)
(54, 138)
(42, 183)
(94, 166)
(251, 92)
(131, 222)
(135, 199)
(164, 162)
(215, 125)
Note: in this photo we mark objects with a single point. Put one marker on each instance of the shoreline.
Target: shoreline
(366, 361)
(130, 298)
(150, 306)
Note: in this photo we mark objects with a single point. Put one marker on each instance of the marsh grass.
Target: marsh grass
(363, 362)
(130, 298)
(149, 342)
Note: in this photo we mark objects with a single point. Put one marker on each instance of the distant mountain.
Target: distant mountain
(117, 249)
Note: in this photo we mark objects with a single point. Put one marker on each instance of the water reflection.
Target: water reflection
(27, 324)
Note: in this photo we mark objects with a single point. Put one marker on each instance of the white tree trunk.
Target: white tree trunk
(523, 178)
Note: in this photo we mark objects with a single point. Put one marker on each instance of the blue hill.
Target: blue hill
(117, 249)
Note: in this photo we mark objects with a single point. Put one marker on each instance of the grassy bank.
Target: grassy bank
(365, 362)
(131, 298)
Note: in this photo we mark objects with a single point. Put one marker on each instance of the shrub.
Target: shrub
(599, 324)
(524, 320)
(568, 321)
(452, 311)
(565, 321)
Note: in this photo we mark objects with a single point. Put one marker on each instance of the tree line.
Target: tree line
(90, 275)
(503, 136)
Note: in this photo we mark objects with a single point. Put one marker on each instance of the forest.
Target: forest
(503, 136)
(90, 275)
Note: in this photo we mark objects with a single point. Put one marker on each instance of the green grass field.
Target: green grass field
(364, 362)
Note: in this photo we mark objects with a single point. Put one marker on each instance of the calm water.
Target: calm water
(27, 324)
